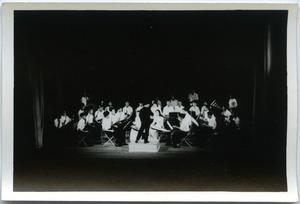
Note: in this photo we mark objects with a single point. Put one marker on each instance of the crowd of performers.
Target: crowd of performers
(151, 120)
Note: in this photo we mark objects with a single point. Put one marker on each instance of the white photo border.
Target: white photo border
(7, 106)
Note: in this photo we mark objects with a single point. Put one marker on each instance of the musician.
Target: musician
(91, 126)
(135, 126)
(128, 110)
(227, 115)
(99, 114)
(120, 115)
(174, 102)
(179, 108)
(186, 121)
(85, 99)
(63, 133)
(82, 128)
(155, 107)
(194, 110)
(109, 106)
(204, 110)
(107, 122)
(139, 108)
(157, 125)
(145, 115)
(113, 116)
(81, 110)
(193, 96)
(232, 103)
(168, 109)
(211, 121)
(62, 120)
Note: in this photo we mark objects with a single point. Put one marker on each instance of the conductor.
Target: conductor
(145, 114)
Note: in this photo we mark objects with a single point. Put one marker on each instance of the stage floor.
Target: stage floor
(101, 168)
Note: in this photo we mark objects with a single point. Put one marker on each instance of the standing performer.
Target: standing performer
(85, 99)
(145, 114)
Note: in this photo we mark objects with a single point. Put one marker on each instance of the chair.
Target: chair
(106, 134)
(81, 138)
(186, 139)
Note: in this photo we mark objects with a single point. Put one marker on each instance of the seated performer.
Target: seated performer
(82, 129)
(127, 110)
(99, 114)
(194, 110)
(135, 126)
(107, 122)
(109, 106)
(62, 120)
(232, 103)
(179, 108)
(186, 121)
(168, 109)
(81, 110)
(64, 130)
(227, 116)
(119, 121)
(204, 110)
(173, 101)
(91, 126)
(157, 125)
(155, 107)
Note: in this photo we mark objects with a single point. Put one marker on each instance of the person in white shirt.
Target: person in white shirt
(211, 121)
(81, 110)
(168, 109)
(119, 122)
(186, 121)
(82, 129)
(195, 110)
(135, 127)
(155, 107)
(99, 114)
(174, 102)
(128, 110)
(193, 96)
(232, 103)
(109, 106)
(62, 120)
(85, 99)
(227, 116)
(179, 108)
(107, 122)
(204, 110)
(91, 126)
(156, 125)
(120, 115)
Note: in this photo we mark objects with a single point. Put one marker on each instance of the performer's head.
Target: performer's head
(126, 103)
(82, 115)
(168, 103)
(194, 103)
(106, 114)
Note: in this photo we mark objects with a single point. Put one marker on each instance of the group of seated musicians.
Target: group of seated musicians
(173, 121)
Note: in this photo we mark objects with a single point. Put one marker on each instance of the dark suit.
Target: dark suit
(145, 114)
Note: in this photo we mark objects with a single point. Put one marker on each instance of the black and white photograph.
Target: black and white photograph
(141, 100)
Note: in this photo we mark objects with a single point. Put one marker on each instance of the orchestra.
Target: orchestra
(151, 122)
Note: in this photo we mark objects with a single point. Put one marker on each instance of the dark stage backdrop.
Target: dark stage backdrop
(138, 55)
